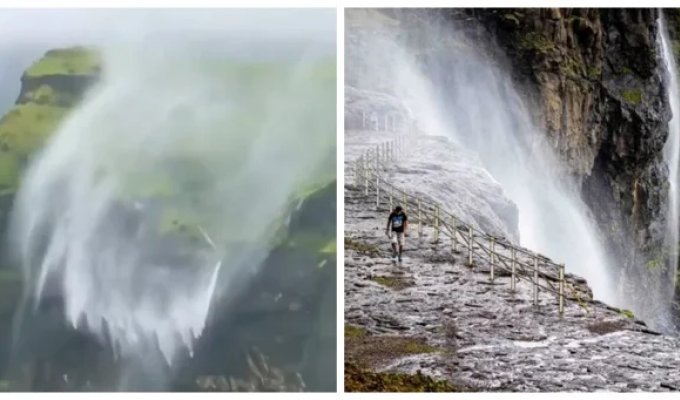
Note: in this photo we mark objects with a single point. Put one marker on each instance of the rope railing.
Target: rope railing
(520, 263)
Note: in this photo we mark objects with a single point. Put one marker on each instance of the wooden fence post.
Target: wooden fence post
(420, 220)
(535, 280)
(391, 192)
(470, 245)
(436, 224)
(454, 239)
(377, 158)
(512, 267)
(366, 173)
(493, 257)
(377, 192)
(561, 301)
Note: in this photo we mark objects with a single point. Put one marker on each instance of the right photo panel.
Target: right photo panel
(511, 200)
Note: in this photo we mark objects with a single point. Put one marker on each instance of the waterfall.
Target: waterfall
(487, 114)
(671, 153)
(166, 187)
(454, 90)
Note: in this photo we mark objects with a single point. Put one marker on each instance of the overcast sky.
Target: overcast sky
(26, 34)
(94, 25)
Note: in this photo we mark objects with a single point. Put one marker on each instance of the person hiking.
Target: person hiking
(398, 222)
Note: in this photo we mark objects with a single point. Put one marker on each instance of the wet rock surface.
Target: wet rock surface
(489, 337)
(457, 180)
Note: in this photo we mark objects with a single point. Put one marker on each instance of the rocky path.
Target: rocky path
(484, 336)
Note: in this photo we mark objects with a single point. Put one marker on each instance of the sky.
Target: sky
(68, 25)
(26, 34)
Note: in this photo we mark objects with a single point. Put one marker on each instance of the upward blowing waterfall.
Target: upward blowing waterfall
(672, 153)
(168, 186)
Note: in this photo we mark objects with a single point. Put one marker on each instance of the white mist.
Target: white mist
(169, 135)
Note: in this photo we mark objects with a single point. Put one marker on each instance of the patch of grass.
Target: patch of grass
(70, 61)
(353, 331)
(10, 170)
(26, 127)
(538, 42)
(418, 347)
(360, 247)
(676, 48)
(358, 379)
(392, 282)
(594, 72)
(605, 327)
(375, 350)
(632, 96)
(627, 313)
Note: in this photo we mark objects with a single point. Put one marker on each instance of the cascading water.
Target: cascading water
(454, 90)
(168, 184)
(487, 115)
(671, 155)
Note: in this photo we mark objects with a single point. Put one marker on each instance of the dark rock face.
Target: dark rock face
(68, 89)
(598, 82)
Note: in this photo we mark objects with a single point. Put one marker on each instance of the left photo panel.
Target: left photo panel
(168, 200)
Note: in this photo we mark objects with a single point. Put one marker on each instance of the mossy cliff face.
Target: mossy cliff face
(50, 88)
(596, 78)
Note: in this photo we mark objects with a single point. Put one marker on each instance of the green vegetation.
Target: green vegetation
(330, 247)
(627, 313)
(9, 172)
(392, 282)
(26, 127)
(625, 70)
(536, 41)
(353, 331)
(358, 379)
(604, 327)
(632, 96)
(594, 73)
(44, 95)
(361, 247)
(511, 18)
(71, 61)
(654, 264)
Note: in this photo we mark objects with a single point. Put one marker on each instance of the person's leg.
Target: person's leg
(401, 243)
(395, 244)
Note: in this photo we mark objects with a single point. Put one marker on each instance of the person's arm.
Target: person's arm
(389, 221)
(405, 225)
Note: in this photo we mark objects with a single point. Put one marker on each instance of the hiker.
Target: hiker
(399, 222)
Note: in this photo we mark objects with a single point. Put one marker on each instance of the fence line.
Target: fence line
(368, 170)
